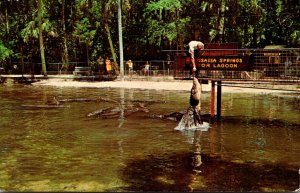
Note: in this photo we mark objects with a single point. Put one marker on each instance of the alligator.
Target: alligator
(114, 112)
(192, 116)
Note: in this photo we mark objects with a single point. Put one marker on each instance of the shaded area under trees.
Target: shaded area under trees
(38, 31)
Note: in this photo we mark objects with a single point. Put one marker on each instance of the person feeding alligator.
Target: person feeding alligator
(195, 45)
(191, 119)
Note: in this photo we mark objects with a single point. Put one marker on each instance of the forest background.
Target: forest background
(65, 31)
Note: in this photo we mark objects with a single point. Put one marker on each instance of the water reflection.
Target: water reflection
(175, 173)
(64, 150)
(196, 159)
(122, 107)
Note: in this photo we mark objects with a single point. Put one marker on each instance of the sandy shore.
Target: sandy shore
(180, 85)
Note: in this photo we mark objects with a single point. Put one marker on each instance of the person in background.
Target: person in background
(108, 66)
(100, 62)
(130, 67)
(147, 68)
(194, 45)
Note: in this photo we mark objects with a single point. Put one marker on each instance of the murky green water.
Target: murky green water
(255, 147)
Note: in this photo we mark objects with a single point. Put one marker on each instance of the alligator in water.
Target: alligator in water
(114, 112)
(191, 116)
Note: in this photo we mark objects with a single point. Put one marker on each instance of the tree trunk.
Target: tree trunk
(106, 21)
(7, 20)
(22, 59)
(245, 33)
(87, 52)
(181, 45)
(221, 21)
(40, 27)
(115, 65)
(65, 61)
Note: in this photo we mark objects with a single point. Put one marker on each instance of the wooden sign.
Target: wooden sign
(231, 63)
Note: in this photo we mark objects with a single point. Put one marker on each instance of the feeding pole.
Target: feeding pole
(120, 40)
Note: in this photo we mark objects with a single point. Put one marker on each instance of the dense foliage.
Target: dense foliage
(45, 31)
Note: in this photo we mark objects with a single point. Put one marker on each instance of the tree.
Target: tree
(85, 34)
(164, 21)
(4, 52)
(25, 24)
(35, 28)
(65, 62)
(41, 9)
(10, 20)
(109, 7)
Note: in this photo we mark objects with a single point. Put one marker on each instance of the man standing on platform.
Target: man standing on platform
(193, 45)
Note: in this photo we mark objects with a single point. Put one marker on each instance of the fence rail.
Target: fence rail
(266, 65)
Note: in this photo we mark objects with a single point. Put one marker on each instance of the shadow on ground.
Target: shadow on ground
(175, 172)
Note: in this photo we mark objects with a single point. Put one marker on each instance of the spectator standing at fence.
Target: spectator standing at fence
(195, 45)
(100, 62)
(147, 68)
(108, 66)
(130, 67)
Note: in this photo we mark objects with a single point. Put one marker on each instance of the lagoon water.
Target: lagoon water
(255, 147)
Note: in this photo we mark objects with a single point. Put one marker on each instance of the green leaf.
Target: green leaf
(4, 52)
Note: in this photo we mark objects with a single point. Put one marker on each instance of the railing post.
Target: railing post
(164, 68)
(212, 106)
(219, 99)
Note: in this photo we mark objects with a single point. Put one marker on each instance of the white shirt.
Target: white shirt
(193, 47)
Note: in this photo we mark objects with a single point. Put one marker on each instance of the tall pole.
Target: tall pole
(120, 40)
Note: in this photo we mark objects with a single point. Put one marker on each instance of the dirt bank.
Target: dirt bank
(180, 85)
